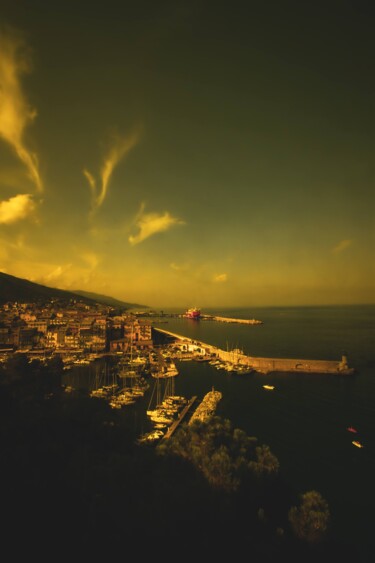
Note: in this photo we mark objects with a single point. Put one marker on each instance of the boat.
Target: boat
(167, 369)
(151, 437)
(193, 313)
(351, 429)
(243, 369)
(270, 387)
(357, 444)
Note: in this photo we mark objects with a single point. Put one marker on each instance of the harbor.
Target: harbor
(195, 314)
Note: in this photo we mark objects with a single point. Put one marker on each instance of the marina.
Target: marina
(182, 415)
(294, 416)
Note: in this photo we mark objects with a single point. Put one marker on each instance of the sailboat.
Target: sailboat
(104, 385)
(162, 407)
(133, 385)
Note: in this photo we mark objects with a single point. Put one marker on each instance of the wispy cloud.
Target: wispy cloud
(179, 267)
(151, 223)
(220, 278)
(15, 112)
(16, 208)
(342, 245)
(92, 182)
(57, 273)
(120, 146)
(91, 259)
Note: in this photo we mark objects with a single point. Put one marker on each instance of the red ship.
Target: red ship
(193, 313)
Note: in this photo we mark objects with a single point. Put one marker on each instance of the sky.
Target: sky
(190, 153)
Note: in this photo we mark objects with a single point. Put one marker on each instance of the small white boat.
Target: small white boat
(357, 444)
(269, 387)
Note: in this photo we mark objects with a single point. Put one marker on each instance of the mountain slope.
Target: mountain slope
(25, 291)
(106, 300)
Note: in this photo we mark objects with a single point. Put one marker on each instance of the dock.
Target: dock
(230, 320)
(182, 415)
(268, 365)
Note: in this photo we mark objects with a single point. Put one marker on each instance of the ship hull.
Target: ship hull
(193, 314)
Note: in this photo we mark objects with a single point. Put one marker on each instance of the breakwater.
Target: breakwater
(230, 320)
(207, 407)
(265, 365)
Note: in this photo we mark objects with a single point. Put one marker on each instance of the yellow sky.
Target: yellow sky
(189, 157)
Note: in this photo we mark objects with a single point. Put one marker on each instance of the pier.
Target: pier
(182, 415)
(229, 320)
(268, 365)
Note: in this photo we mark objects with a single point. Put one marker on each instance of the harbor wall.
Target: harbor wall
(266, 365)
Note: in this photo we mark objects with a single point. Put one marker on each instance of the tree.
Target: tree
(222, 454)
(310, 520)
(266, 462)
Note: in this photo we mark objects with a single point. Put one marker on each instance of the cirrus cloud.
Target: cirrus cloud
(119, 148)
(15, 112)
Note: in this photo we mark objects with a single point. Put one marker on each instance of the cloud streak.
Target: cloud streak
(15, 112)
(220, 278)
(151, 223)
(119, 149)
(16, 208)
(342, 245)
(91, 259)
(57, 272)
(179, 267)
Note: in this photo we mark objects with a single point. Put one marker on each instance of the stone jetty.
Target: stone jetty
(230, 320)
(207, 407)
(267, 365)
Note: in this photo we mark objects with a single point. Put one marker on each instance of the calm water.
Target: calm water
(304, 419)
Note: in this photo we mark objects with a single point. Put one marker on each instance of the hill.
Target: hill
(25, 291)
(107, 300)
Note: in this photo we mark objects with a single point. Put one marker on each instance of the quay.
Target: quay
(176, 422)
(267, 365)
(202, 317)
(229, 320)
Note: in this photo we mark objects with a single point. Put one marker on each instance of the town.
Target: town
(70, 328)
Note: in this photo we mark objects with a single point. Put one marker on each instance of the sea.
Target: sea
(304, 419)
